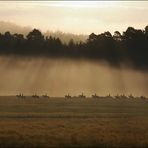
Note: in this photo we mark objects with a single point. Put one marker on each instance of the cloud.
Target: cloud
(95, 16)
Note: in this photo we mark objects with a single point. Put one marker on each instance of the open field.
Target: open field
(60, 122)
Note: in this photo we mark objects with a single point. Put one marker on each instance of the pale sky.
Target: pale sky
(79, 17)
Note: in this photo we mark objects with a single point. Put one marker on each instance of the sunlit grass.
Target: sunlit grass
(78, 122)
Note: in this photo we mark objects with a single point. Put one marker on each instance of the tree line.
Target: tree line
(129, 47)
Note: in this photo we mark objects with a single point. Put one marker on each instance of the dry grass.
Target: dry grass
(73, 123)
(112, 132)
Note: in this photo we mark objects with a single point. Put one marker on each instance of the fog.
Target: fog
(64, 37)
(57, 77)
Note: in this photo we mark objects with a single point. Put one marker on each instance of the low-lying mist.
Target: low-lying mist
(64, 37)
(57, 77)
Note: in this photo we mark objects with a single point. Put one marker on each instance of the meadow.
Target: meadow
(59, 122)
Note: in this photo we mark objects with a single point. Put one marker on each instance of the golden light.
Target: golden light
(74, 3)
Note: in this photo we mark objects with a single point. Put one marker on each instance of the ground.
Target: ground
(59, 122)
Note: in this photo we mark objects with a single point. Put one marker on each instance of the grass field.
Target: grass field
(60, 122)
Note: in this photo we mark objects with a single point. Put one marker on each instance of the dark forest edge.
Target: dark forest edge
(129, 47)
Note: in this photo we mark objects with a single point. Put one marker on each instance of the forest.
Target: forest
(130, 47)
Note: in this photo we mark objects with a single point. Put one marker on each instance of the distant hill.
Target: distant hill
(13, 28)
(65, 37)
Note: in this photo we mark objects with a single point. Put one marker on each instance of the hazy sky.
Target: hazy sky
(76, 16)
